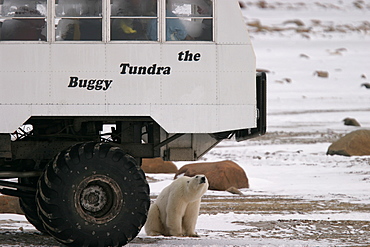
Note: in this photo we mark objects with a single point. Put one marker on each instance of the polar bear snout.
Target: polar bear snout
(202, 179)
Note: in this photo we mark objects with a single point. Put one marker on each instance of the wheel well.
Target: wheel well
(39, 139)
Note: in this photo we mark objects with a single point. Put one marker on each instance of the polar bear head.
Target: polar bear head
(197, 185)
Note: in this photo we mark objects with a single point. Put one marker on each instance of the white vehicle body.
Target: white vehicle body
(214, 92)
(169, 78)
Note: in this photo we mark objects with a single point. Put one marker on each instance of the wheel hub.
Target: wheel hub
(93, 198)
(98, 199)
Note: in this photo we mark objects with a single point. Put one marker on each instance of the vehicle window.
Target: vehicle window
(189, 20)
(79, 20)
(134, 20)
(23, 20)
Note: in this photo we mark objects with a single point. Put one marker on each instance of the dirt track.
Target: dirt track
(350, 232)
(345, 231)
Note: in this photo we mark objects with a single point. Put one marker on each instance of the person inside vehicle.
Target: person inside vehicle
(24, 29)
(126, 23)
(175, 29)
(79, 27)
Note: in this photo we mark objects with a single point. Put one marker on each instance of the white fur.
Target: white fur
(175, 212)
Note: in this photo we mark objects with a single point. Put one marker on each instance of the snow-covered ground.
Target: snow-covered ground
(305, 114)
(298, 195)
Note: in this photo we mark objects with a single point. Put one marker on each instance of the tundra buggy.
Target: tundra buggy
(90, 87)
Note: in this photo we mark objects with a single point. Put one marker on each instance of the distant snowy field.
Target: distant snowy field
(313, 103)
(305, 114)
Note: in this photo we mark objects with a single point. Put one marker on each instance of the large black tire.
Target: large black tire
(28, 205)
(93, 194)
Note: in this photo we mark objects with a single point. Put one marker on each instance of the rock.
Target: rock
(303, 30)
(316, 22)
(359, 4)
(366, 85)
(323, 74)
(242, 5)
(351, 122)
(288, 80)
(304, 56)
(263, 70)
(235, 191)
(257, 25)
(10, 205)
(342, 49)
(262, 4)
(157, 165)
(297, 22)
(306, 36)
(221, 175)
(356, 143)
(338, 51)
(282, 81)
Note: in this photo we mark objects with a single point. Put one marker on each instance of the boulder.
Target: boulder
(351, 122)
(221, 175)
(296, 22)
(235, 191)
(10, 205)
(356, 143)
(158, 165)
(322, 74)
(242, 5)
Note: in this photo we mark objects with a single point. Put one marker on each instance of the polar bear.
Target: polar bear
(175, 212)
